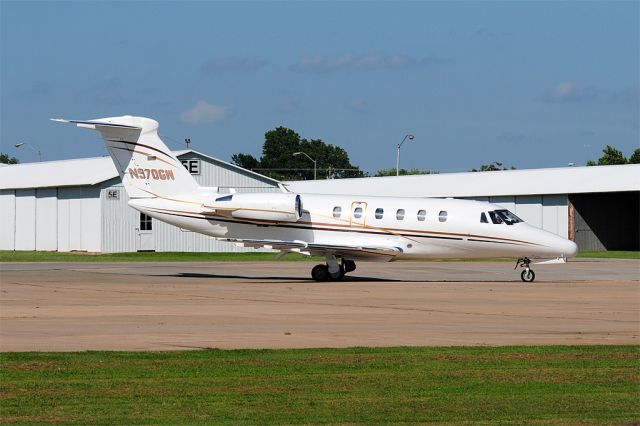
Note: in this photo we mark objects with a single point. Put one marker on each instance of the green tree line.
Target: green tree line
(612, 156)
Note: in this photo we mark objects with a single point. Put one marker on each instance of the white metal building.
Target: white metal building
(597, 207)
(81, 205)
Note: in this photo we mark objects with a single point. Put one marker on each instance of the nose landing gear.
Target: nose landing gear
(527, 275)
(332, 270)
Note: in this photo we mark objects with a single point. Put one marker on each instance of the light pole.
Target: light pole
(410, 137)
(37, 151)
(314, 162)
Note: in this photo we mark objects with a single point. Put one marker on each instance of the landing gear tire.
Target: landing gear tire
(320, 273)
(348, 265)
(339, 276)
(528, 276)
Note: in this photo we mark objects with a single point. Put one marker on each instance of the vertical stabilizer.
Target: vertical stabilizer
(145, 164)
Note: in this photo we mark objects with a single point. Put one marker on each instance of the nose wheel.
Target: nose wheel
(527, 275)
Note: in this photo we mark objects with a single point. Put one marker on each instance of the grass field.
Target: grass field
(53, 256)
(514, 385)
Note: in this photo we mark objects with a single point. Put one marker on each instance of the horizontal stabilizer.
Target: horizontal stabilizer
(93, 124)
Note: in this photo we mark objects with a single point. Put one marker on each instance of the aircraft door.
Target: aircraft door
(358, 216)
(145, 238)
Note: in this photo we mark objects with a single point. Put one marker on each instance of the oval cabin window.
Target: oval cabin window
(379, 213)
(422, 215)
(357, 213)
(400, 214)
(442, 216)
(337, 211)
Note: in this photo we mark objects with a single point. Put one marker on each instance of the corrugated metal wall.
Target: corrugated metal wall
(50, 219)
(25, 219)
(7, 219)
(216, 173)
(79, 218)
(46, 219)
(119, 221)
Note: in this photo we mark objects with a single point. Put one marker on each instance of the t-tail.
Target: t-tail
(146, 166)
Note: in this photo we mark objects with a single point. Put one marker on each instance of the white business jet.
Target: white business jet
(341, 228)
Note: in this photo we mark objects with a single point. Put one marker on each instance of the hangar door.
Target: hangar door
(606, 221)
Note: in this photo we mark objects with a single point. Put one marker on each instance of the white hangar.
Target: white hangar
(81, 205)
(597, 207)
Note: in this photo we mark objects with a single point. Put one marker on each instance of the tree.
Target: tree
(404, 172)
(611, 156)
(278, 161)
(245, 160)
(635, 157)
(495, 166)
(5, 159)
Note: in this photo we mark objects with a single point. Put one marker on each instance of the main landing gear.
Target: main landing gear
(527, 275)
(332, 270)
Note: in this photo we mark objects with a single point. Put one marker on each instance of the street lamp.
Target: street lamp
(37, 151)
(314, 162)
(410, 137)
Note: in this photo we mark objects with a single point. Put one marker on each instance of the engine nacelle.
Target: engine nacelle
(276, 207)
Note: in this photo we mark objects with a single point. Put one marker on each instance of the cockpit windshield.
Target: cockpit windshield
(508, 217)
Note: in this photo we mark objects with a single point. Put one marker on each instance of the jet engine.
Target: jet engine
(275, 207)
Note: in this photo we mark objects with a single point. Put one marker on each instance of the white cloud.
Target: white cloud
(568, 91)
(203, 112)
(350, 61)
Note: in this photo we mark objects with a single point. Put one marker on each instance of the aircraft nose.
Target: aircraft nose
(572, 249)
(567, 248)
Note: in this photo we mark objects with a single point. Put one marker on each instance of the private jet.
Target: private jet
(341, 228)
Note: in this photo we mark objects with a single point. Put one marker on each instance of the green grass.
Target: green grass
(514, 385)
(610, 254)
(54, 256)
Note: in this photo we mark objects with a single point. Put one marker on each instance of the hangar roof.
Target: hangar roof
(562, 180)
(83, 171)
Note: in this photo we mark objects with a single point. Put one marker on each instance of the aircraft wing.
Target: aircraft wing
(371, 253)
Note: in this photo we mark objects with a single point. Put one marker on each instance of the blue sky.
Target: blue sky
(530, 84)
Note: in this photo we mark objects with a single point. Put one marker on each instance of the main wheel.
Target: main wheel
(320, 273)
(337, 277)
(349, 265)
(528, 276)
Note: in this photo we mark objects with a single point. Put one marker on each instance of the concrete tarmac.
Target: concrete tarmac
(171, 306)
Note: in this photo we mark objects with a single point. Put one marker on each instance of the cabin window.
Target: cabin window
(400, 214)
(483, 218)
(495, 218)
(357, 213)
(145, 222)
(422, 215)
(442, 216)
(379, 213)
(337, 211)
